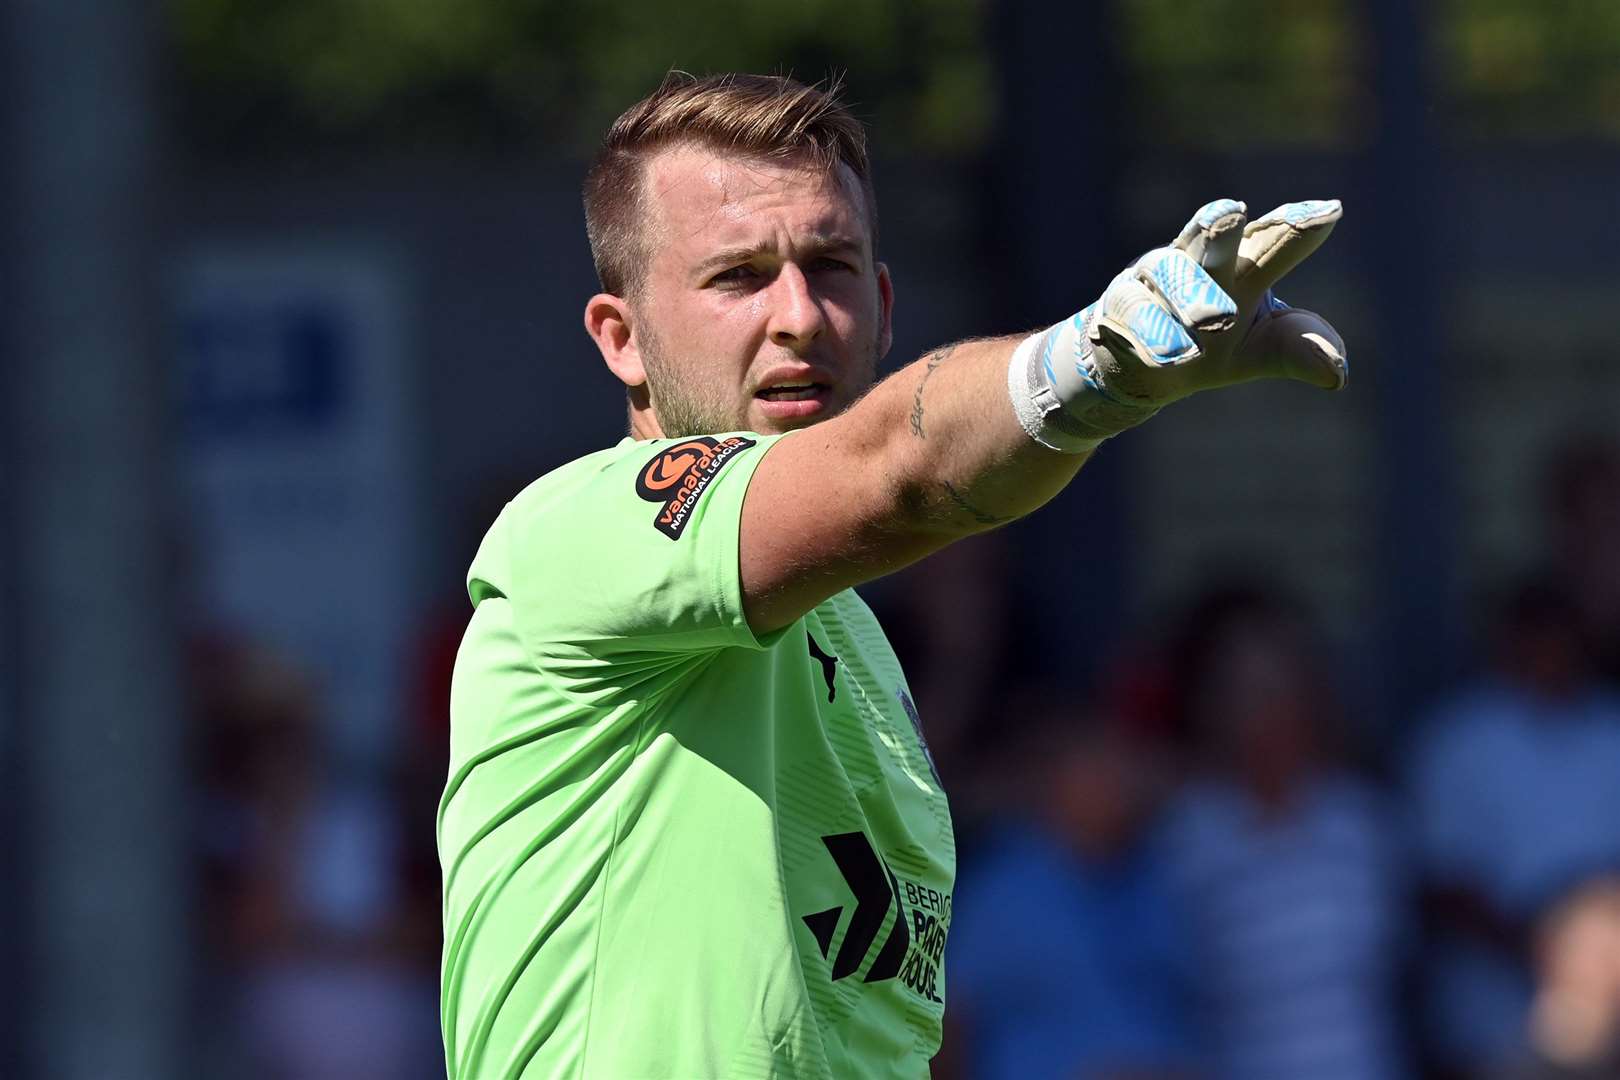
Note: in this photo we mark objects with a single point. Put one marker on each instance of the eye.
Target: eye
(827, 262)
(735, 275)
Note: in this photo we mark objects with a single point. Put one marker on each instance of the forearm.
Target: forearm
(951, 445)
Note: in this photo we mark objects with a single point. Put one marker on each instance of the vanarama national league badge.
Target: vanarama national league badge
(680, 474)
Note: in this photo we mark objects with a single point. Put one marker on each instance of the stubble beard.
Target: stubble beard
(685, 409)
(681, 405)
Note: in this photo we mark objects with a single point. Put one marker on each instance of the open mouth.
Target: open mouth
(792, 391)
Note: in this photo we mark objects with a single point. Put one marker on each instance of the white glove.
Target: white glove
(1189, 317)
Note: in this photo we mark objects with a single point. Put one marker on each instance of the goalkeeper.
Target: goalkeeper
(691, 827)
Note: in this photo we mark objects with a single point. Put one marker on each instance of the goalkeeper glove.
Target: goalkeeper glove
(1189, 317)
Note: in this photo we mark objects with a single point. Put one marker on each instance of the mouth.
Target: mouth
(795, 391)
(794, 400)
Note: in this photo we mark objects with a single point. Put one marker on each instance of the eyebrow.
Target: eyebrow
(815, 244)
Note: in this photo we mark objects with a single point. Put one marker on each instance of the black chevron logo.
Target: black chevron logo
(829, 666)
(874, 886)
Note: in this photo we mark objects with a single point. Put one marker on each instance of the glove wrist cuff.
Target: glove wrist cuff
(1071, 416)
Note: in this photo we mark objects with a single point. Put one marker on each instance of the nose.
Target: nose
(796, 318)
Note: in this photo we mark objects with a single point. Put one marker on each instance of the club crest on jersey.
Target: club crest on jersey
(679, 475)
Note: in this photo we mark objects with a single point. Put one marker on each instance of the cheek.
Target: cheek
(748, 311)
(854, 308)
(735, 329)
(714, 328)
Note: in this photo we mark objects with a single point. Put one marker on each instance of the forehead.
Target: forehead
(699, 198)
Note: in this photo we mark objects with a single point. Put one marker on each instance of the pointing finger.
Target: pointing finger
(1275, 244)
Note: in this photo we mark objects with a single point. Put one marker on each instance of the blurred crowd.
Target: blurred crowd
(1203, 864)
(1210, 867)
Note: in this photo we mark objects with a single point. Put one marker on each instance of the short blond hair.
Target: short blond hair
(760, 116)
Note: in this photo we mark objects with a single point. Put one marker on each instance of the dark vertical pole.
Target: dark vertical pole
(1055, 185)
(12, 926)
(98, 863)
(1417, 534)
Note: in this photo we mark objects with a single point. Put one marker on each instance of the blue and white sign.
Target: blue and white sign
(293, 373)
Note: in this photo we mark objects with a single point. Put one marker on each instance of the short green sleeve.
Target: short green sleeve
(629, 551)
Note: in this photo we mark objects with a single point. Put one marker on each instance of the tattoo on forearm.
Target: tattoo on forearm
(978, 515)
(934, 361)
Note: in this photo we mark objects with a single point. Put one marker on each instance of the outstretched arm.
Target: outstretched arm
(983, 432)
(932, 454)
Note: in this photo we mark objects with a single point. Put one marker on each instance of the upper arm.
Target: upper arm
(630, 554)
(827, 508)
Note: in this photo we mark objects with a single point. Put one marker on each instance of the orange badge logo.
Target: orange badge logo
(680, 474)
(667, 469)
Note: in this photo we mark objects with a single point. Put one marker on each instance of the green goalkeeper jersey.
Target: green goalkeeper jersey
(673, 848)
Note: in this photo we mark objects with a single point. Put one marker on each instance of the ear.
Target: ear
(886, 299)
(607, 320)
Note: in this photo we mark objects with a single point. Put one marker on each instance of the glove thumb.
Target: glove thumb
(1292, 343)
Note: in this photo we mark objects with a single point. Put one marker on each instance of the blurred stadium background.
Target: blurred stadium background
(1279, 746)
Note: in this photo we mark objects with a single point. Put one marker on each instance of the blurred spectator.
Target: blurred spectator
(1282, 857)
(1575, 1019)
(1065, 952)
(311, 965)
(1517, 791)
(1583, 488)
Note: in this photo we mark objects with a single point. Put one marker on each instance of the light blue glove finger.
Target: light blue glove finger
(1140, 315)
(1211, 238)
(1305, 213)
(1191, 294)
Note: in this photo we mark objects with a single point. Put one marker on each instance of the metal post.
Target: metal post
(99, 859)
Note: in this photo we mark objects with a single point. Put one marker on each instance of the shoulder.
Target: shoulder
(1605, 705)
(1481, 721)
(553, 489)
(536, 503)
(1354, 807)
(632, 547)
(661, 481)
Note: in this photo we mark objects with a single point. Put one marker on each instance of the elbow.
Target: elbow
(935, 507)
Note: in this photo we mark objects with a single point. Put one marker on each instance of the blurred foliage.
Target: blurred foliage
(1283, 71)
(517, 74)
(402, 74)
(1538, 69)
(1299, 71)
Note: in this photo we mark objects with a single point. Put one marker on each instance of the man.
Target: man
(691, 826)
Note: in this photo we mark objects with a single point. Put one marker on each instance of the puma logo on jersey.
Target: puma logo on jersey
(829, 666)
